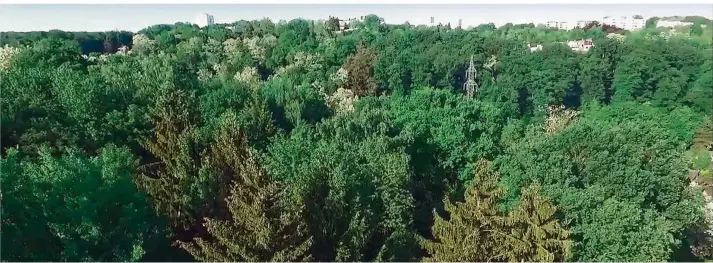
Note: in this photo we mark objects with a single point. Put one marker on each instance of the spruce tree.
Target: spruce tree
(534, 232)
(259, 226)
(468, 234)
(478, 231)
(173, 180)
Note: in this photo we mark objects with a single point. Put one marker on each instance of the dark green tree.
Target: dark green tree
(175, 180)
(75, 208)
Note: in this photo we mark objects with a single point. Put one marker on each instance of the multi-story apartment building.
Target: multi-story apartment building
(624, 22)
(563, 25)
(671, 24)
(204, 19)
(583, 23)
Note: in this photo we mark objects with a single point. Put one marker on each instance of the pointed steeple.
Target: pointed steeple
(470, 86)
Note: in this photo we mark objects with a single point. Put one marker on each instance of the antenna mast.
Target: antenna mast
(470, 86)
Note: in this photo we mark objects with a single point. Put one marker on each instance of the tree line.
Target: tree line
(89, 42)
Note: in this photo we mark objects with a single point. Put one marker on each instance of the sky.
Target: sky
(16, 17)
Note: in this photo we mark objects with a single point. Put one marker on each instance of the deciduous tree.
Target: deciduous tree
(361, 72)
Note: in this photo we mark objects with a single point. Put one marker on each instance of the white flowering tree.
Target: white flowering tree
(255, 49)
(342, 101)
(6, 55)
(142, 44)
(302, 62)
(340, 77)
(249, 76)
(559, 118)
(232, 47)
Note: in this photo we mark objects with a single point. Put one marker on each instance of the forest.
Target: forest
(302, 141)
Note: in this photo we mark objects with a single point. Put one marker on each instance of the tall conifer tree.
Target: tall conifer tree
(259, 227)
(175, 182)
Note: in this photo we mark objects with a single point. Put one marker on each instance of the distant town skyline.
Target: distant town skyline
(136, 17)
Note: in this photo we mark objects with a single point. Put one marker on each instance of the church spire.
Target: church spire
(470, 86)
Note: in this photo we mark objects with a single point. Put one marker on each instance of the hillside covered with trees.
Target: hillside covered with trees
(298, 141)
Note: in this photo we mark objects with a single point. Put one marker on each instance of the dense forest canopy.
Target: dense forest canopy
(304, 141)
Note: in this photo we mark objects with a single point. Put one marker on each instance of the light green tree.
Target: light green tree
(476, 229)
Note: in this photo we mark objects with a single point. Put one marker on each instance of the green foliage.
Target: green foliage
(362, 133)
(74, 208)
(292, 104)
(50, 52)
(651, 22)
(354, 176)
(456, 129)
(697, 97)
(626, 180)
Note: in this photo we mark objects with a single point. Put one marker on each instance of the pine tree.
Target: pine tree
(478, 231)
(259, 227)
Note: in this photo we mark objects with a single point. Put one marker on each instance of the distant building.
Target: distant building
(582, 45)
(583, 23)
(671, 24)
(562, 25)
(453, 22)
(343, 24)
(534, 47)
(123, 50)
(624, 22)
(573, 44)
(346, 24)
(204, 19)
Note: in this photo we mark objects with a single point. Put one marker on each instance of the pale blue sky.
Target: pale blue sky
(136, 17)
